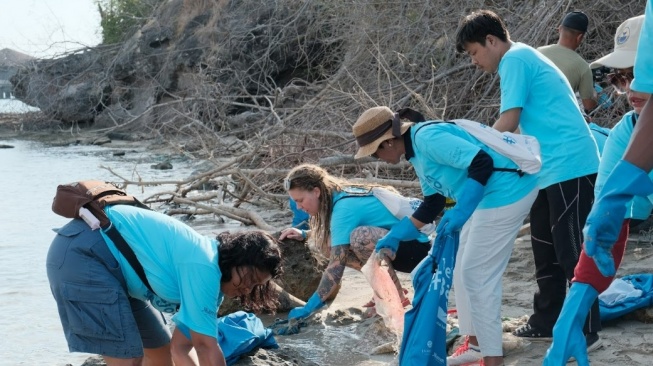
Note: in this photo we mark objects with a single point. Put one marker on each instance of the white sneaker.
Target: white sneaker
(465, 354)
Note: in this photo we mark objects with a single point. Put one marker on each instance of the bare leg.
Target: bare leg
(488, 360)
(112, 361)
(493, 360)
(362, 242)
(152, 357)
(157, 356)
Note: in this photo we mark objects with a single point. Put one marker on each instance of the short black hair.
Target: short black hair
(256, 249)
(477, 26)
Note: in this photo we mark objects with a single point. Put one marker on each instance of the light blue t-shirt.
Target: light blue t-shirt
(549, 112)
(600, 135)
(352, 211)
(443, 154)
(644, 59)
(180, 264)
(615, 146)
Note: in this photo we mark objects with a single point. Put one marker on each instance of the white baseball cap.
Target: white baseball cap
(625, 46)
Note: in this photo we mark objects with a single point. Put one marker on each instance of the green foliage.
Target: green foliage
(121, 18)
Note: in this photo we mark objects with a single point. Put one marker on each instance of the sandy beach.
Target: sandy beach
(340, 335)
(627, 341)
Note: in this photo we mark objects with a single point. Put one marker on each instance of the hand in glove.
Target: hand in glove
(454, 219)
(604, 221)
(402, 231)
(313, 304)
(568, 338)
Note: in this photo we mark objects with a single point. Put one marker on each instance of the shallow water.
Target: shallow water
(30, 332)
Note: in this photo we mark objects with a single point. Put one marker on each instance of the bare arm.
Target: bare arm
(209, 352)
(589, 105)
(639, 151)
(418, 224)
(508, 121)
(180, 348)
(294, 233)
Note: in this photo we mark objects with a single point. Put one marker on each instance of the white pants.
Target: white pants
(486, 243)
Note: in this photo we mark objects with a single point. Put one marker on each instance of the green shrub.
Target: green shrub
(121, 18)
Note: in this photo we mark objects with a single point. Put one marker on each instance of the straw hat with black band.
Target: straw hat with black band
(374, 126)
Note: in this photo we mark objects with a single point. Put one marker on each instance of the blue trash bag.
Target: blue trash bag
(239, 333)
(424, 340)
(640, 296)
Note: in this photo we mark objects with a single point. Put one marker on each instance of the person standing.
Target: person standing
(492, 200)
(589, 279)
(630, 176)
(563, 54)
(536, 97)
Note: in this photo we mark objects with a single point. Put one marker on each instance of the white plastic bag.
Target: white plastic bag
(386, 298)
(400, 206)
(523, 150)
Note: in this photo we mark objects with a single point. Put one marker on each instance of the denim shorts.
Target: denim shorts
(96, 313)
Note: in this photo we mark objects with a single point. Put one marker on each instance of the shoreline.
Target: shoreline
(626, 341)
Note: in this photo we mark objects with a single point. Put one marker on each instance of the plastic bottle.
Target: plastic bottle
(90, 219)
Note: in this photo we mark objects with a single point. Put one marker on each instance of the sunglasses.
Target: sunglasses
(620, 81)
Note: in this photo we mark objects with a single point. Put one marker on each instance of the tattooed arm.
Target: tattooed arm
(332, 276)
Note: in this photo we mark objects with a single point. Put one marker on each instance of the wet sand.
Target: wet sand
(626, 341)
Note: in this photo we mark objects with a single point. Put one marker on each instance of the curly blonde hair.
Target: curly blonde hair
(307, 177)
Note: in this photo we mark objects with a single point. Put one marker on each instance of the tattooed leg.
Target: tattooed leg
(363, 240)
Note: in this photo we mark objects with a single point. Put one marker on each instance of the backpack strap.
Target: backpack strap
(350, 194)
(128, 253)
(518, 171)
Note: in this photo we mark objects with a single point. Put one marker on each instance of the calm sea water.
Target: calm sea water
(30, 332)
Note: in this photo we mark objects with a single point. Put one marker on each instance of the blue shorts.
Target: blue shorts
(96, 313)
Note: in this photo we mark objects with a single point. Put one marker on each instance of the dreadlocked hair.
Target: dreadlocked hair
(307, 177)
(258, 250)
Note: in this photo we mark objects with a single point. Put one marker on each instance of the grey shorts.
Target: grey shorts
(97, 314)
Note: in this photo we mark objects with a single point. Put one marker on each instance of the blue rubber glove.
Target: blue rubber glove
(604, 221)
(402, 231)
(313, 304)
(454, 219)
(568, 338)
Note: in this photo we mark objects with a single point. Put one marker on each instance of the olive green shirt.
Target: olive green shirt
(575, 68)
